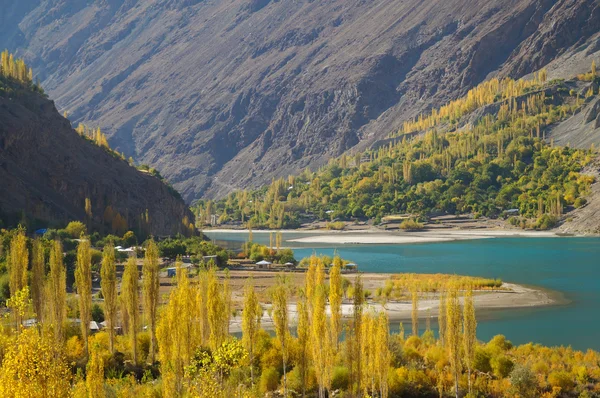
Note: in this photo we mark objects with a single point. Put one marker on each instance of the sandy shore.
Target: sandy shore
(512, 297)
(378, 237)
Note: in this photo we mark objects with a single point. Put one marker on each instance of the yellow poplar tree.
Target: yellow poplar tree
(38, 273)
(56, 292)
(453, 329)
(108, 284)
(319, 338)
(151, 287)
(34, 366)
(174, 334)
(18, 259)
(251, 315)
(202, 308)
(415, 310)
(470, 332)
(303, 332)
(215, 306)
(279, 298)
(83, 282)
(130, 297)
(94, 381)
(335, 299)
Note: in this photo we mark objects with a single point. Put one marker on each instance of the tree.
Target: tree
(95, 374)
(356, 337)
(415, 310)
(335, 299)
(108, 284)
(251, 315)
(442, 317)
(174, 334)
(83, 282)
(320, 338)
(470, 332)
(151, 287)
(34, 366)
(38, 273)
(18, 260)
(303, 332)
(383, 355)
(130, 297)
(56, 291)
(279, 298)
(593, 69)
(453, 329)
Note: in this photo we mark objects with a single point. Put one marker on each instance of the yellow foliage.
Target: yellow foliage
(34, 366)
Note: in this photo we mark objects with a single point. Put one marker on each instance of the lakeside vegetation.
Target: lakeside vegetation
(482, 154)
(184, 347)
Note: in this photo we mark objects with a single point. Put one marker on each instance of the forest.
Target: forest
(482, 154)
(178, 342)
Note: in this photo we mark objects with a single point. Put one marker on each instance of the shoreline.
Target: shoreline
(377, 236)
(516, 297)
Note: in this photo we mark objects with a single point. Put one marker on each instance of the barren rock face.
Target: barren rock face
(47, 171)
(226, 94)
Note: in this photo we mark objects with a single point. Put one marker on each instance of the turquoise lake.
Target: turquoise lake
(570, 266)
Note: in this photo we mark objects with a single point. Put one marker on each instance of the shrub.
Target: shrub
(340, 378)
(97, 313)
(545, 222)
(561, 379)
(411, 225)
(269, 380)
(336, 225)
(75, 229)
(524, 381)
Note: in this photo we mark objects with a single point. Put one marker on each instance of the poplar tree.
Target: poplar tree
(18, 259)
(215, 306)
(56, 291)
(251, 315)
(593, 69)
(94, 380)
(108, 284)
(151, 287)
(453, 329)
(355, 365)
(201, 304)
(470, 332)
(279, 298)
(38, 273)
(303, 332)
(174, 333)
(383, 356)
(83, 283)
(335, 299)
(130, 297)
(319, 338)
(442, 318)
(415, 311)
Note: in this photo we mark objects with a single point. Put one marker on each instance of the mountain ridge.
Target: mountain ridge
(224, 95)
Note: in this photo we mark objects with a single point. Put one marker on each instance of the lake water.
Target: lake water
(567, 265)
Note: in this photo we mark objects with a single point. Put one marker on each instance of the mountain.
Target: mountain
(225, 94)
(48, 170)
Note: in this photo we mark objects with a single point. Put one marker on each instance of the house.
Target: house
(263, 264)
(130, 251)
(172, 271)
(208, 259)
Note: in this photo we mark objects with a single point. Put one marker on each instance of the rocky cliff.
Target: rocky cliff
(47, 170)
(225, 94)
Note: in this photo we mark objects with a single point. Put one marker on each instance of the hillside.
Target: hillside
(483, 154)
(226, 94)
(48, 170)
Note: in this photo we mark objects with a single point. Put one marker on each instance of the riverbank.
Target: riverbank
(508, 296)
(377, 236)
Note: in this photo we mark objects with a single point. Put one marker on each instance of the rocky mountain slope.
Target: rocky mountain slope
(47, 170)
(225, 94)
